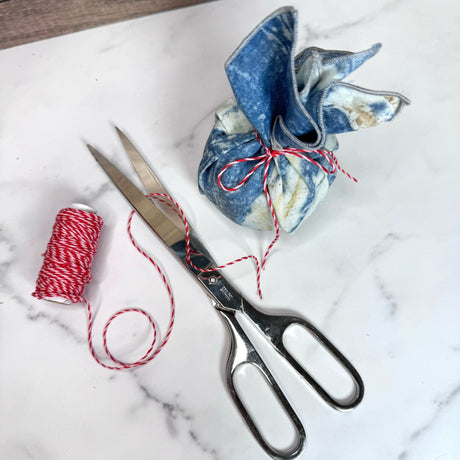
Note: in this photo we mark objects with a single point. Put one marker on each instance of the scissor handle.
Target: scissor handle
(243, 352)
(275, 326)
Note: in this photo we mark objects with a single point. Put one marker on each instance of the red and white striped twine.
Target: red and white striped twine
(66, 271)
(265, 160)
(66, 267)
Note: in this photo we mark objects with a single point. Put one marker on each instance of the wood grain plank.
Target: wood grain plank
(24, 21)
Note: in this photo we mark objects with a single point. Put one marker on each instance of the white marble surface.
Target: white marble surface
(376, 267)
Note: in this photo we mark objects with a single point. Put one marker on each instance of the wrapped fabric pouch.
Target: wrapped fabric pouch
(284, 104)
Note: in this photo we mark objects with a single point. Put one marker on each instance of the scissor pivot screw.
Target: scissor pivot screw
(212, 280)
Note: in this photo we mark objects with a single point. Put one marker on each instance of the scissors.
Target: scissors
(169, 227)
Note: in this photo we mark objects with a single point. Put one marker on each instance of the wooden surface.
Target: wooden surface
(24, 21)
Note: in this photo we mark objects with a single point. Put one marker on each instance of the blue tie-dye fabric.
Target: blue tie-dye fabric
(291, 101)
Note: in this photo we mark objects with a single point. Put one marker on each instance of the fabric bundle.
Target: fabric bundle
(285, 103)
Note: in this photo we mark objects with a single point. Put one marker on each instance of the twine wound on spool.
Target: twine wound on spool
(66, 271)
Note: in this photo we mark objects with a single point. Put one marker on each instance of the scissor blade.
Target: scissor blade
(149, 179)
(165, 229)
(151, 182)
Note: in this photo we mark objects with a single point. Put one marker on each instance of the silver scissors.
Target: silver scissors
(169, 227)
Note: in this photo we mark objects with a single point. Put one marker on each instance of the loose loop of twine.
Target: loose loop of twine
(264, 160)
(66, 271)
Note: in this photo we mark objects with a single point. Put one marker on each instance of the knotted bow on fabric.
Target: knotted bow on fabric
(282, 101)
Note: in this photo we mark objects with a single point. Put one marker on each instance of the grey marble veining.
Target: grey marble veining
(363, 19)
